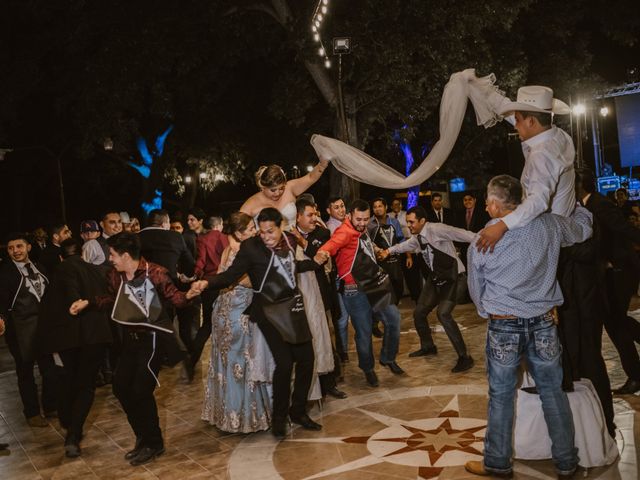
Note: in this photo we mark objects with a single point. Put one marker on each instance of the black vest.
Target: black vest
(444, 268)
(105, 248)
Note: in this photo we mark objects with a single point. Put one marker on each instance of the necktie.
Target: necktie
(35, 280)
(469, 213)
(426, 250)
(439, 215)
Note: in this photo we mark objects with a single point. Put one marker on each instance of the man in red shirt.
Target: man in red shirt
(365, 288)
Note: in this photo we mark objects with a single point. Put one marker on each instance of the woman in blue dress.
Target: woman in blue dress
(235, 399)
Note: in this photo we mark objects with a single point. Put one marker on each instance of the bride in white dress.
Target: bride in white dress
(278, 192)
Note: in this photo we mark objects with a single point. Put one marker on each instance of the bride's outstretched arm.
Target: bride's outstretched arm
(300, 185)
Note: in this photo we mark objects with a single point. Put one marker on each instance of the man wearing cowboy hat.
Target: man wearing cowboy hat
(547, 177)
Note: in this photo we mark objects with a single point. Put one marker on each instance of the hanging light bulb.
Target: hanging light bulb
(324, 9)
(321, 52)
(314, 28)
(325, 2)
(317, 23)
(320, 17)
(316, 37)
(327, 63)
(187, 179)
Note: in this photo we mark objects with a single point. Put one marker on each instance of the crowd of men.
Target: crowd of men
(552, 264)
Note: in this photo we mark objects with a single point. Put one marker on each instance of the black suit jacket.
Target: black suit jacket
(447, 214)
(617, 235)
(168, 249)
(50, 257)
(253, 259)
(479, 219)
(58, 330)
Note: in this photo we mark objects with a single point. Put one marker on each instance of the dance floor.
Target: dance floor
(423, 425)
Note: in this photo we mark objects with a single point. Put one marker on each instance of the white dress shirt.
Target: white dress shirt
(440, 236)
(547, 178)
(332, 224)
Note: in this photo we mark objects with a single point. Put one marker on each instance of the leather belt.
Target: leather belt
(501, 317)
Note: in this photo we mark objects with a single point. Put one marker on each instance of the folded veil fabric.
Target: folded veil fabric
(462, 86)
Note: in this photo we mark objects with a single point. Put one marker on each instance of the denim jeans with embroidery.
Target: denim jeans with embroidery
(537, 340)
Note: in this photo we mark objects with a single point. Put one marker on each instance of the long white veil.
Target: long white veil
(462, 86)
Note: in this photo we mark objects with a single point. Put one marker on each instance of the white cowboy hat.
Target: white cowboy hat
(535, 98)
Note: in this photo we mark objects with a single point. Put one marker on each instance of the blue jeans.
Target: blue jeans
(359, 309)
(343, 326)
(537, 339)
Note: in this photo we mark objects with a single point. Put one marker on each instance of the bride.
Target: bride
(277, 192)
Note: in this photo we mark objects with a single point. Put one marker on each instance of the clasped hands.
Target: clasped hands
(321, 257)
(197, 288)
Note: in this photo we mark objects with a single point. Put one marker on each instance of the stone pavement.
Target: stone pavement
(434, 417)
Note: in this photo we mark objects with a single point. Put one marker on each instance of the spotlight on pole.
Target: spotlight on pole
(187, 179)
(604, 111)
(341, 45)
(579, 109)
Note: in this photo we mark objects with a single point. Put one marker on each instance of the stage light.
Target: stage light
(327, 63)
(324, 2)
(108, 144)
(316, 37)
(317, 23)
(187, 179)
(324, 9)
(320, 17)
(604, 111)
(314, 28)
(321, 52)
(579, 109)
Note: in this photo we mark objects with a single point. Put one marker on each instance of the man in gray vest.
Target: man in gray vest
(441, 269)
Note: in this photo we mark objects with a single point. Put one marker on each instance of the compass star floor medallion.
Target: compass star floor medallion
(430, 444)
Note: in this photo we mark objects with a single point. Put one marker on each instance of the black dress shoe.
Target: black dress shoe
(629, 387)
(372, 378)
(279, 429)
(377, 332)
(394, 367)
(531, 390)
(334, 392)
(71, 450)
(305, 422)
(463, 364)
(145, 455)
(131, 454)
(424, 352)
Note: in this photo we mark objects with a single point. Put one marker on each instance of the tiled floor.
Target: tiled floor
(424, 424)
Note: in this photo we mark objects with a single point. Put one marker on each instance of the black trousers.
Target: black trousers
(133, 386)
(444, 298)
(619, 292)
(188, 325)
(413, 277)
(27, 382)
(285, 356)
(204, 332)
(77, 386)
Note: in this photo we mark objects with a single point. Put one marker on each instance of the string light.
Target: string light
(319, 14)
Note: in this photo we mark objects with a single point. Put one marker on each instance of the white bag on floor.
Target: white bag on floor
(596, 448)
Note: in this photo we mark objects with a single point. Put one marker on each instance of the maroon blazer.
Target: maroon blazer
(210, 247)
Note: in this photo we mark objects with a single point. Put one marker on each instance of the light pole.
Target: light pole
(56, 158)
